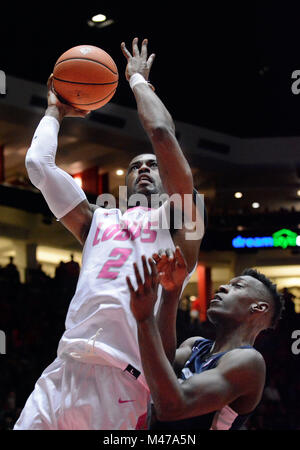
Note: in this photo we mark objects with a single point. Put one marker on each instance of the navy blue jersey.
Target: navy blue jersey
(226, 419)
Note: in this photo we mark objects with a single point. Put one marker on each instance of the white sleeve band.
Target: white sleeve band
(135, 79)
(59, 189)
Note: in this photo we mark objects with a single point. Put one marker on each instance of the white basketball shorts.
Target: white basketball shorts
(71, 395)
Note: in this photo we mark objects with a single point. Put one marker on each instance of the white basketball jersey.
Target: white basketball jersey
(100, 327)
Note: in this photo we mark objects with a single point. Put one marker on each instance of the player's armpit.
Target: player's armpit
(184, 352)
(187, 219)
(176, 215)
(78, 221)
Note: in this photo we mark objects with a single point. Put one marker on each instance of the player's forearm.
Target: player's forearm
(166, 322)
(164, 387)
(152, 112)
(160, 128)
(59, 189)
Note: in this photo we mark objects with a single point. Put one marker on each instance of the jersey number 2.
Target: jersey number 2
(121, 254)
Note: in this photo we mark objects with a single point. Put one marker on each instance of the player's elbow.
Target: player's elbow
(38, 165)
(34, 170)
(170, 410)
(162, 132)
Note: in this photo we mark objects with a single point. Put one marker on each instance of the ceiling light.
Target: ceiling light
(255, 205)
(238, 195)
(100, 21)
(99, 18)
(120, 172)
(298, 192)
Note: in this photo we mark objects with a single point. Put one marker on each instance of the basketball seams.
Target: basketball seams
(95, 78)
(98, 101)
(86, 59)
(82, 82)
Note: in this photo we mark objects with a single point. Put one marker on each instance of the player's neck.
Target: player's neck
(230, 338)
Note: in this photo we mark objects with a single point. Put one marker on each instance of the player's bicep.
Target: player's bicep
(208, 391)
(200, 394)
(78, 221)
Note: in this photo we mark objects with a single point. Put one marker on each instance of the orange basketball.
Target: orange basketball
(85, 77)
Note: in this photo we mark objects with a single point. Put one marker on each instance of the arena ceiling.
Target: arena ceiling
(222, 66)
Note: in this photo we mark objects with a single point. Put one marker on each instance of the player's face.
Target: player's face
(233, 301)
(143, 176)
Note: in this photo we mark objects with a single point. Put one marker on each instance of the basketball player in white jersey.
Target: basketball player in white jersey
(96, 382)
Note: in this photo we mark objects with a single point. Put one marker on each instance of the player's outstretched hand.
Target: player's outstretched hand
(143, 299)
(172, 268)
(64, 109)
(138, 61)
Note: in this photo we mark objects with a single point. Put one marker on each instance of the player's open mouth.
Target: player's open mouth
(144, 178)
(216, 298)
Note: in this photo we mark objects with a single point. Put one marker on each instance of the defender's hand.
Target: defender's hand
(172, 269)
(138, 61)
(142, 300)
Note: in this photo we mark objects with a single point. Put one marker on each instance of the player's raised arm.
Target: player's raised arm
(174, 169)
(65, 198)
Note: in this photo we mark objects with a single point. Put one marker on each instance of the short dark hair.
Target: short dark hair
(278, 299)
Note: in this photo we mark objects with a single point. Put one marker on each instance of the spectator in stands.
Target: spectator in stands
(10, 272)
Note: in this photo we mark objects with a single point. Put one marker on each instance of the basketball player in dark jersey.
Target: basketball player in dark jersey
(212, 385)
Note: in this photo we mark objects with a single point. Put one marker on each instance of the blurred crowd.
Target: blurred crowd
(33, 319)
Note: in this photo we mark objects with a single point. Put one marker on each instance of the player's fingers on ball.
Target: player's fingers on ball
(81, 112)
(49, 81)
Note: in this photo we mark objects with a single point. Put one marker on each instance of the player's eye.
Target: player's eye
(236, 284)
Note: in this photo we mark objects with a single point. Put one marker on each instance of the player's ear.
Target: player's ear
(260, 307)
